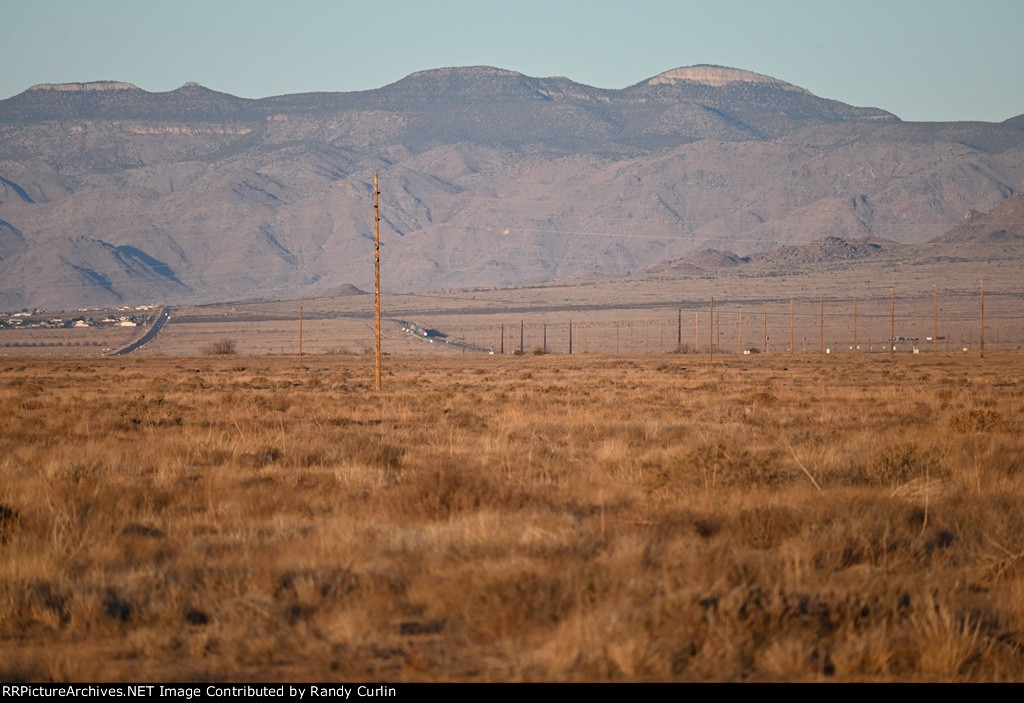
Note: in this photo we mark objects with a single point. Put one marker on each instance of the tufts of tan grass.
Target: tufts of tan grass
(539, 517)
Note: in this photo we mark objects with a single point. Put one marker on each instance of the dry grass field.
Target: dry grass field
(771, 517)
(64, 342)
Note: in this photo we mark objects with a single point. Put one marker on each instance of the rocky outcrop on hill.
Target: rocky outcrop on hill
(1005, 222)
(827, 250)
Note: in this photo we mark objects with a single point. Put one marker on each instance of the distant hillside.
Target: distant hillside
(110, 193)
(789, 257)
(998, 234)
(1003, 223)
(11, 241)
(704, 261)
(827, 250)
(342, 290)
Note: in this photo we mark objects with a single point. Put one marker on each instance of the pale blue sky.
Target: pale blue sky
(921, 59)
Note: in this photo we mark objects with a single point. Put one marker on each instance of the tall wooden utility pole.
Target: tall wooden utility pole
(855, 348)
(300, 330)
(711, 333)
(741, 332)
(696, 333)
(892, 321)
(821, 333)
(792, 339)
(679, 341)
(376, 269)
(983, 318)
(765, 348)
(935, 319)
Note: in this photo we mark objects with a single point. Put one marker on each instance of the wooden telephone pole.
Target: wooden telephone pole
(376, 272)
(892, 321)
(983, 318)
(741, 332)
(765, 347)
(711, 333)
(821, 333)
(300, 330)
(792, 347)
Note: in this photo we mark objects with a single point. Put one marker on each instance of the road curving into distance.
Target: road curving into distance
(150, 335)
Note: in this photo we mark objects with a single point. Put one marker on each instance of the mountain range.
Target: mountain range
(110, 193)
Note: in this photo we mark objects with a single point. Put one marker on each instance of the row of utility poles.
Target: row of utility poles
(715, 329)
(679, 338)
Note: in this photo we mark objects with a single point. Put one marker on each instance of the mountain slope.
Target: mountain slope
(488, 177)
(1003, 223)
(982, 236)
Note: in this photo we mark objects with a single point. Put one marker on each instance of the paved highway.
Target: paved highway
(149, 336)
